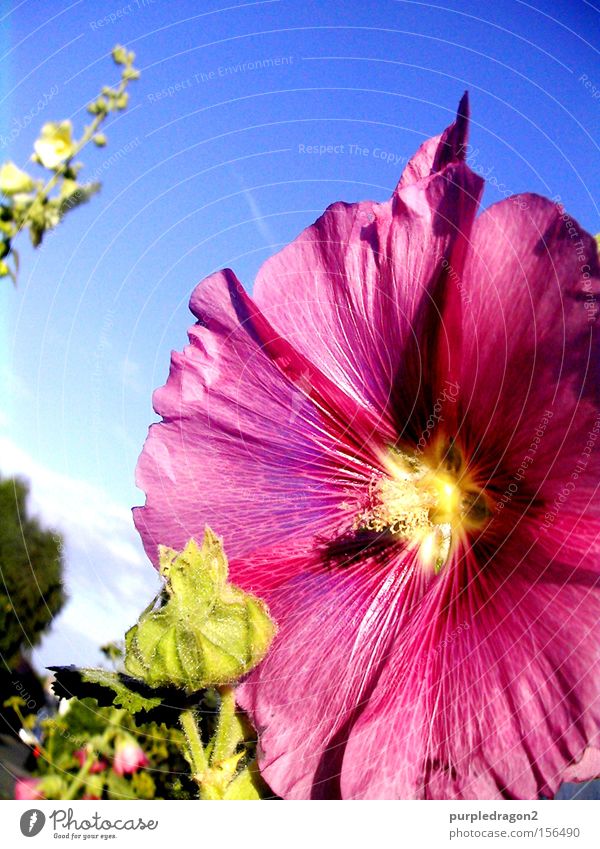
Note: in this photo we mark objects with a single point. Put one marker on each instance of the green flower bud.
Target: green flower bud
(98, 107)
(119, 54)
(99, 139)
(200, 631)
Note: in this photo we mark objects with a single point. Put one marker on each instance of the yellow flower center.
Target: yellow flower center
(428, 502)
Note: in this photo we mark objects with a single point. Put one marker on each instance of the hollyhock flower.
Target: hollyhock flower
(129, 757)
(397, 437)
(13, 180)
(55, 144)
(26, 789)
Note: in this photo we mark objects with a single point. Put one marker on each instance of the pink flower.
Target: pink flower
(397, 437)
(26, 789)
(129, 757)
(81, 756)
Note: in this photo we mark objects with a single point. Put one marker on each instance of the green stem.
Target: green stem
(195, 748)
(227, 736)
(85, 139)
(79, 779)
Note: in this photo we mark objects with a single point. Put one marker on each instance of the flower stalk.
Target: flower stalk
(34, 205)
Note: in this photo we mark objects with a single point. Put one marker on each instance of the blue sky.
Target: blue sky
(209, 168)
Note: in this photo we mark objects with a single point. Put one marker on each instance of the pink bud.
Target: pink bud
(81, 756)
(129, 757)
(26, 789)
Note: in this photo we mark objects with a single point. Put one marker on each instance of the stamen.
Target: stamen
(426, 503)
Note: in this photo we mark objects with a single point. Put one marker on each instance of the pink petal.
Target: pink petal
(255, 442)
(335, 629)
(439, 151)
(531, 371)
(366, 280)
(586, 769)
(498, 708)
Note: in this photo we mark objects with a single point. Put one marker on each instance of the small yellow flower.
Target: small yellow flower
(55, 144)
(13, 180)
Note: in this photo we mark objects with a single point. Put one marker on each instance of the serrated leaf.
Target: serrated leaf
(115, 689)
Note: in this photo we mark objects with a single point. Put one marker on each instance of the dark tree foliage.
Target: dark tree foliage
(31, 592)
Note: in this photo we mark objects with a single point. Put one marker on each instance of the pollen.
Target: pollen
(427, 502)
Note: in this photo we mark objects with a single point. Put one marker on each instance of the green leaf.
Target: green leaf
(75, 194)
(93, 786)
(52, 787)
(114, 688)
(119, 787)
(200, 631)
(247, 785)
